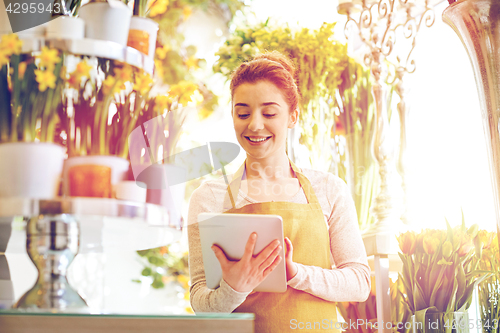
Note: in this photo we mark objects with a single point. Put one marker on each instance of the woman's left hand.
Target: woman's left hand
(291, 267)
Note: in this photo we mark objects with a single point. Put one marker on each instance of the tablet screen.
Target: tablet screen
(231, 232)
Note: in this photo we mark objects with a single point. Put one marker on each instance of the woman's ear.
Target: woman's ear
(294, 117)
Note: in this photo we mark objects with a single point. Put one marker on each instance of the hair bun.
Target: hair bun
(279, 58)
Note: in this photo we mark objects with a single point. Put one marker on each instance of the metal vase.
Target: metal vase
(52, 242)
(477, 23)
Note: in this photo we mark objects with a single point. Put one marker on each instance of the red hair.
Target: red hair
(273, 67)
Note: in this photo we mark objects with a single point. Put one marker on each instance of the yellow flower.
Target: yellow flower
(161, 104)
(21, 69)
(45, 79)
(48, 58)
(189, 310)
(407, 242)
(204, 113)
(4, 58)
(192, 62)
(10, 44)
(186, 11)
(447, 249)
(110, 85)
(158, 7)
(124, 74)
(143, 83)
(486, 237)
(430, 243)
(158, 68)
(161, 52)
(184, 281)
(82, 69)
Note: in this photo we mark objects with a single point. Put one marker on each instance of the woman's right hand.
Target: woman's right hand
(248, 272)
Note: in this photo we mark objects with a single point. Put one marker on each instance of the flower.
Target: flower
(161, 104)
(485, 238)
(46, 79)
(161, 52)
(158, 7)
(407, 242)
(143, 83)
(83, 69)
(192, 62)
(110, 85)
(48, 58)
(186, 12)
(10, 44)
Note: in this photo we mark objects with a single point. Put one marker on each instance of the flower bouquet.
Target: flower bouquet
(440, 272)
(489, 290)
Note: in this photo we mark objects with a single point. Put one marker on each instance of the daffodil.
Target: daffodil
(48, 58)
(161, 104)
(10, 44)
(186, 12)
(21, 69)
(143, 83)
(192, 62)
(158, 7)
(46, 79)
(161, 52)
(82, 69)
(110, 85)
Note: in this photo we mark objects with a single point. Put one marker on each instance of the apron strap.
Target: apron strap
(234, 188)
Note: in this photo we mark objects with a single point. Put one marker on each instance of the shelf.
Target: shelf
(92, 48)
(20, 322)
(106, 225)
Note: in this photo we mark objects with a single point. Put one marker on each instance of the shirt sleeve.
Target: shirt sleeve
(203, 299)
(350, 280)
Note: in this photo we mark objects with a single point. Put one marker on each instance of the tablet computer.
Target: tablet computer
(231, 232)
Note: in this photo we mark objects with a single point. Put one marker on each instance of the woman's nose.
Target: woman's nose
(256, 123)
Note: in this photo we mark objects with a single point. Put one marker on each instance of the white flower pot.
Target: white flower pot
(66, 27)
(30, 169)
(119, 167)
(106, 21)
(143, 28)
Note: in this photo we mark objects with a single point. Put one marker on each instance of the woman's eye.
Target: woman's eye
(242, 116)
(269, 115)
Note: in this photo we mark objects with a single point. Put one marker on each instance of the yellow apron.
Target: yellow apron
(305, 226)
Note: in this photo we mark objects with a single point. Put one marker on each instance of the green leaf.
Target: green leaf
(147, 271)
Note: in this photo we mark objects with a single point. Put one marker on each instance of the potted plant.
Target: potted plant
(98, 120)
(106, 20)
(440, 272)
(143, 30)
(30, 93)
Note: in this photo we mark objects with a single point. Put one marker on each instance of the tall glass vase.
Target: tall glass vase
(477, 23)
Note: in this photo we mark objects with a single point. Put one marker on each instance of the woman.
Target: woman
(319, 217)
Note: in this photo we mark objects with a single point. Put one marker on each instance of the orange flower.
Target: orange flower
(407, 242)
(466, 244)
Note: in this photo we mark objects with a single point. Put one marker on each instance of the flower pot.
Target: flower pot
(101, 174)
(30, 169)
(108, 20)
(66, 27)
(439, 322)
(142, 35)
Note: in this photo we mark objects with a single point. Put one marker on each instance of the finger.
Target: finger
(271, 268)
(249, 247)
(270, 260)
(266, 252)
(221, 256)
(289, 248)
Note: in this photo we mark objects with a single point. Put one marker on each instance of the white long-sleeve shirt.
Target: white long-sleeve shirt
(349, 278)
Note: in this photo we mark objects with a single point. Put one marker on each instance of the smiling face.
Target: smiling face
(261, 118)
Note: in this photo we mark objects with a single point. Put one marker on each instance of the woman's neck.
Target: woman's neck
(271, 168)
